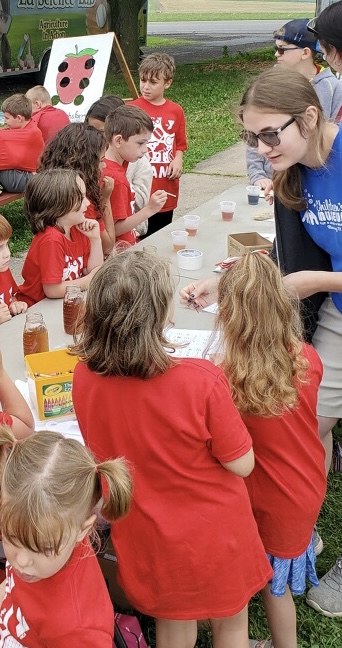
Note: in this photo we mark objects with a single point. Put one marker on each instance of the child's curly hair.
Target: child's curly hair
(261, 332)
(78, 146)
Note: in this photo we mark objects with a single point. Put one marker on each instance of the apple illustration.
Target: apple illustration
(74, 74)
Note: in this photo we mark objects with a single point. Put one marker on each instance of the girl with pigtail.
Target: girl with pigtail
(274, 379)
(54, 594)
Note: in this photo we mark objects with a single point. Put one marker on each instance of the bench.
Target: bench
(6, 197)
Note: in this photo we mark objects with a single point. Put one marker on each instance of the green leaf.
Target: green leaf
(85, 52)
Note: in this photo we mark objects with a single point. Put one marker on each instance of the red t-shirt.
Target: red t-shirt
(93, 213)
(20, 148)
(122, 198)
(51, 259)
(50, 121)
(8, 287)
(288, 483)
(189, 547)
(168, 137)
(6, 419)
(70, 609)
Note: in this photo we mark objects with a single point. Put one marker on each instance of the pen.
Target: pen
(170, 194)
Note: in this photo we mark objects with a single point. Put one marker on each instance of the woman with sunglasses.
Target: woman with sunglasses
(298, 49)
(283, 119)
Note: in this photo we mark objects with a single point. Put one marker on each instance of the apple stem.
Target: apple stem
(76, 48)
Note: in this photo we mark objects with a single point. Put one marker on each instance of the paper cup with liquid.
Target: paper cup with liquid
(179, 239)
(253, 194)
(227, 209)
(191, 223)
(35, 335)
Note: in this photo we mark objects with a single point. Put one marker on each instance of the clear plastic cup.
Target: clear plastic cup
(191, 223)
(253, 194)
(179, 239)
(227, 209)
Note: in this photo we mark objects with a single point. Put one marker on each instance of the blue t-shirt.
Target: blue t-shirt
(322, 190)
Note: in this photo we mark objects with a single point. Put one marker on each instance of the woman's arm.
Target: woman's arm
(308, 282)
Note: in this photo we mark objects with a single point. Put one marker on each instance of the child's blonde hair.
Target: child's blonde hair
(51, 485)
(39, 93)
(18, 104)
(261, 334)
(50, 194)
(5, 229)
(286, 91)
(157, 66)
(128, 304)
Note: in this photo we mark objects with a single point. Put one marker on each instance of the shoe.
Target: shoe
(263, 643)
(318, 542)
(327, 597)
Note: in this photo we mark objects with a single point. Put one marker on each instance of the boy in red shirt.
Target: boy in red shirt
(168, 141)
(127, 131)
(50, 120)
(9, 305)
(21, 144)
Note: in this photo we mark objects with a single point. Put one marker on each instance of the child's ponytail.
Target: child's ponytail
(117, 498)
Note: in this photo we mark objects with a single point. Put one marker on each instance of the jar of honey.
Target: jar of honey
(73, 306)
(35, 335)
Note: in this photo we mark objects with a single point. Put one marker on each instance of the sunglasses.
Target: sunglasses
(270, 138)
(311, 26)
(281, 50)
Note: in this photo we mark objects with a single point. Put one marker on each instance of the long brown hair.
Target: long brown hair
(51, 485)
(261, 334)
(128, 304)
(286, 91)
(78, 146)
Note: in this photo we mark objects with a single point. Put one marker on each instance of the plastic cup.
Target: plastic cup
(227, 209)
(253, 194)
(191, 223)
(179, 239)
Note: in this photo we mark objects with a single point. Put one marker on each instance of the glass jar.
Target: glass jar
(73, 307)
(35, 335)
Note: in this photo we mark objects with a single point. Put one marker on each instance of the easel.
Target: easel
(124, 68)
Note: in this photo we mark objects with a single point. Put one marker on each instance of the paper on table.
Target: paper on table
(69, 428)
(213, 308)
(196, 341)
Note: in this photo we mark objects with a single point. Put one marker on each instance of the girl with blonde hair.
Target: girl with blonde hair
(55, 595)
(189, 548)
(274, 378)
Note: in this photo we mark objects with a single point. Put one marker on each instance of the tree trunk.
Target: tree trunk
(124, 22)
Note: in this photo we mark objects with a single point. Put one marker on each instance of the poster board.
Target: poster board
(77, 72)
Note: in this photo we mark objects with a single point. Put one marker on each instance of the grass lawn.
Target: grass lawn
(174, 10)
(209, 93)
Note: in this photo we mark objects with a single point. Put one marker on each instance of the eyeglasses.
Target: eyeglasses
(270, 138)
(281, 50)
(311, 26)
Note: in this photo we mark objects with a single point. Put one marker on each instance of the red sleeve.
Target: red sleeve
(93, 213)
(229, 436)
(119, 201)
(6, 419)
